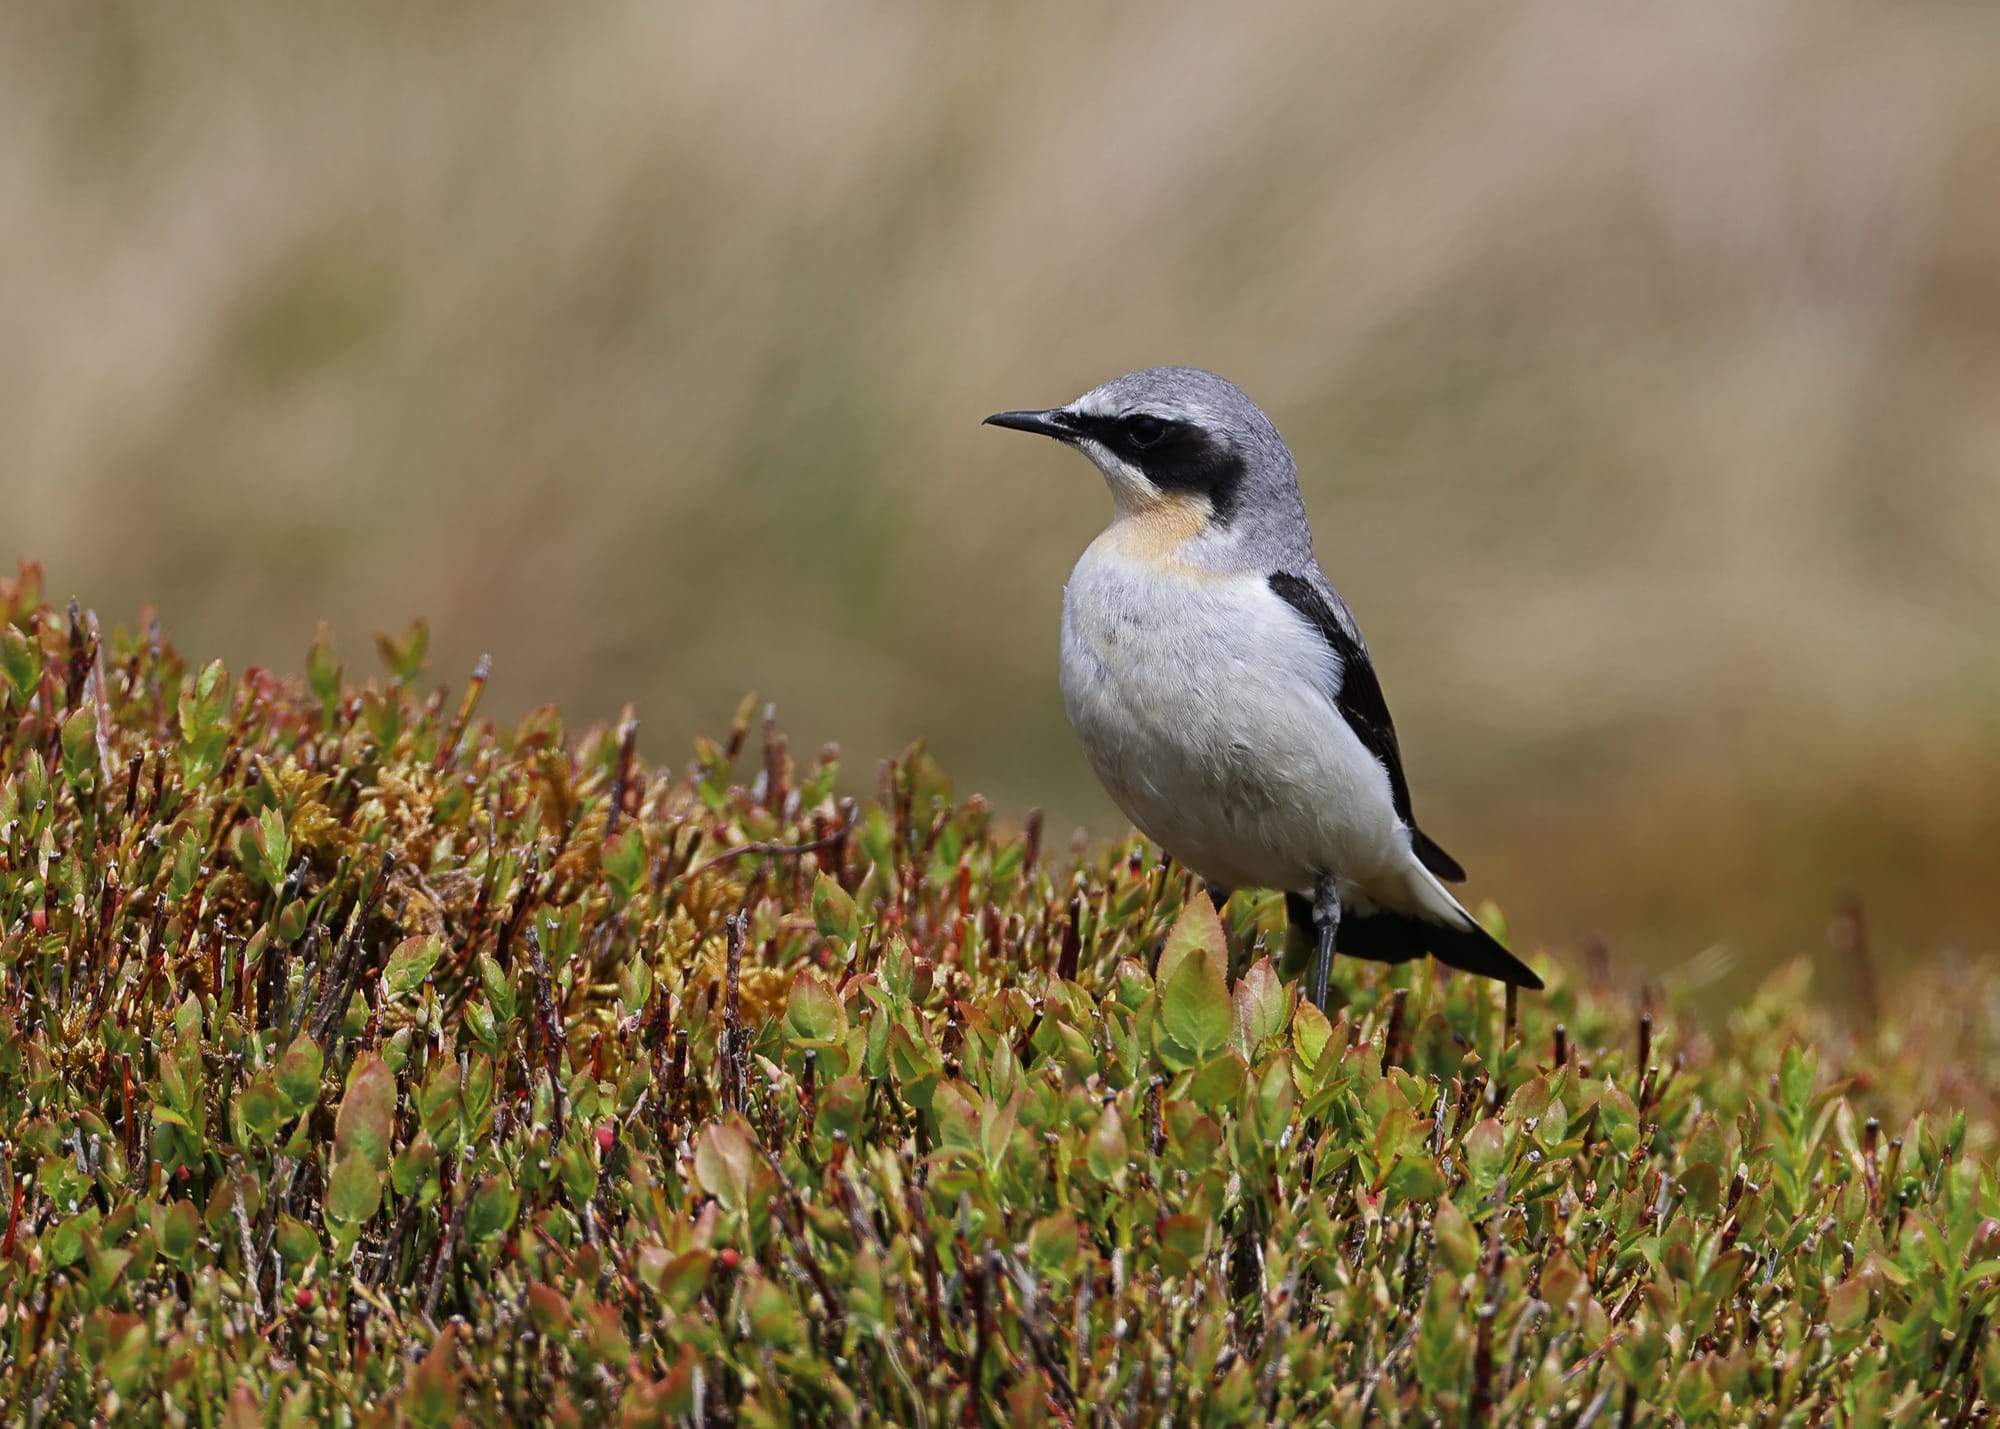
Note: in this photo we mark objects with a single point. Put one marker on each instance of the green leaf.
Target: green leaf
(1797, 1073)
(415, 1167)
(812, 1012)
(1485, 1155)
(492, 1208)
(79, 748)
(498, 987)
(679, 1280)
(204, 707)
(1847, 1306)
(21, 664)
(1053, 1243)
(773, 1319)
(1262, 1003)
(66, 1241)
(1457, 1243)
(274, 848)
(178, 1232)
(843, 1104)
(367, 1113)
(1219, 1084)
(1195, 1008)
(899, 968)
(353, 1195)
(1617, 1117)
(625, 861)
(1414, 1178)
(323, 669)
(1276, 1095)
(409, 965)
(834, 913)
(296, 1240)
(723, 1161)
(187, 865)
(957, 1117)
(1135, 984)
(1183, 1243)
(258, 1109)
(1107, 1150)
(866, 1303)
(578, 1172)
(297, 1075)
(476, 1095)
(438, 1103)
(384, 715)
(403, 656)
(549, 1311)
(1196, 930)
(1310, 1034)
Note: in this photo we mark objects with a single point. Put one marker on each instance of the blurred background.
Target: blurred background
(1643, 368)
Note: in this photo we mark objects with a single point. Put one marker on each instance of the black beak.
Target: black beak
(1053, 423)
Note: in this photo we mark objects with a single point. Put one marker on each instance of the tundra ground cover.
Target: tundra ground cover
(361, 1061)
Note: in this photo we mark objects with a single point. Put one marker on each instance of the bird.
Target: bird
(1222, 691)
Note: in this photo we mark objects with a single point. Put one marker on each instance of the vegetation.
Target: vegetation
(362, 1061)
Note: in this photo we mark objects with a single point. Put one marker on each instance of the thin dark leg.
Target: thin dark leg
(1326, 920)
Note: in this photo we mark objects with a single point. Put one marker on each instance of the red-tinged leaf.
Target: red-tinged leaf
(1847, 1306)
(1053, 1243)
(1107, 1150)
(1262, 1003)
(430, 1389)
(1183, 1243)
(548, 1310)
(367, 1115)
(724, 1160)
(812, 1012)
(676, 1279)
(1198, 929)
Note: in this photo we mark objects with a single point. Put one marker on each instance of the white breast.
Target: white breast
(1203, 703)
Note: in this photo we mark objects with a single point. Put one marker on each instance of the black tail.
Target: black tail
(1434, 858)
(1384, 937)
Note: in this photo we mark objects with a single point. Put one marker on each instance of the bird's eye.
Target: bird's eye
(1143, 432)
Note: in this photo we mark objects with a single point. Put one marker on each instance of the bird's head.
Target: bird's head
(1177, 445)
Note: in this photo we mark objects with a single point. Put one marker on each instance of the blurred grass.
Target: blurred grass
(1639, 369)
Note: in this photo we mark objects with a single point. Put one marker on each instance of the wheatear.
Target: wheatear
(1221, 687)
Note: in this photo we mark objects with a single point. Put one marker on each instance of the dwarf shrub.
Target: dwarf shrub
(364, 1061)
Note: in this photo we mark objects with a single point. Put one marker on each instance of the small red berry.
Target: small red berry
(730, 1259)
(304, 1299)
(39, 920)
(605, 1136)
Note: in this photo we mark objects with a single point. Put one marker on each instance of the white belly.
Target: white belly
(1202, 703)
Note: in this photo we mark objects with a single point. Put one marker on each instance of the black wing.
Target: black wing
(1361, 704)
